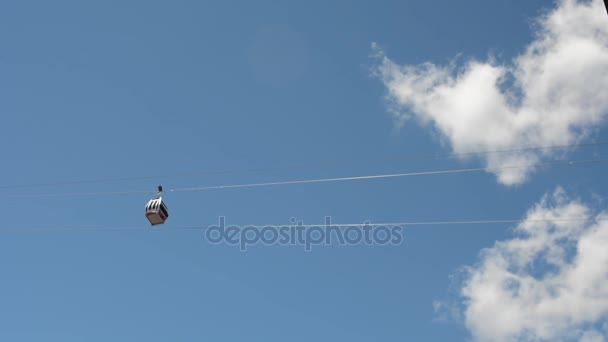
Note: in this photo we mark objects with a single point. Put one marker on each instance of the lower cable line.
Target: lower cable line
(303, 226)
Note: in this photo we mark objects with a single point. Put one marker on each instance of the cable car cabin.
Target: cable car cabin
(156, 211)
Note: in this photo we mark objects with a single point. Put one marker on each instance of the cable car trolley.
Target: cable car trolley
(156, 210)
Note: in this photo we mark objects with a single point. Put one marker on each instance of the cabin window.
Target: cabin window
(163, 208)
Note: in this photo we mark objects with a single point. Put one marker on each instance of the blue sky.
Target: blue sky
(145, 88)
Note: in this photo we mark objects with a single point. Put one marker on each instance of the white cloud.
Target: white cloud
(554, 93)
(548, 283)
(592, 336)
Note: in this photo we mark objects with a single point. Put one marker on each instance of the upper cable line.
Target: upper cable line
(307, 181)
(298, 166)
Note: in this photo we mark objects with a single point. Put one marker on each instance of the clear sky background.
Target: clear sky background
(149, 88)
